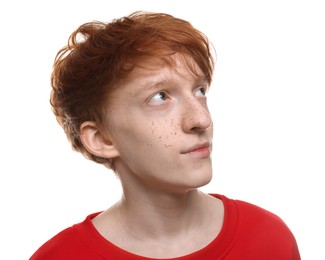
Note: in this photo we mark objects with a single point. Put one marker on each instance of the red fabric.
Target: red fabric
(248, 232)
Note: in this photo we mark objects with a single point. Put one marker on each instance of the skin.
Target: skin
(158, 131)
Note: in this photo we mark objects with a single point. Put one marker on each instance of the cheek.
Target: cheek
(162, 132)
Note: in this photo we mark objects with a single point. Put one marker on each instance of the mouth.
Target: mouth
(198, 150)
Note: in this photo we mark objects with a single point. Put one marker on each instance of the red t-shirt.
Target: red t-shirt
(248, 233)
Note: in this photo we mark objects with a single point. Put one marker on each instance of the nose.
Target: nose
(196, 116)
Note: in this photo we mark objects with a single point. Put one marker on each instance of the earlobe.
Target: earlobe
(96, 142)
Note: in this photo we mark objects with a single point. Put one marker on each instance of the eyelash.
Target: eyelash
(164, 95)
(203, 90)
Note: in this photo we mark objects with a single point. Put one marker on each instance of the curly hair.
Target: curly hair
(100, 54)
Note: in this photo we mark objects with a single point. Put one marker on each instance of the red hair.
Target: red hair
(99, 54)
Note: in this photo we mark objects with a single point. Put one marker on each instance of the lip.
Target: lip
(198, 150)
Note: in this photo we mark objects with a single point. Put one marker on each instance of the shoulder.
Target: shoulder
(57, 246)
(253, 217)
(257, 217)
(66, 244)
(261, 231)
(248, 212)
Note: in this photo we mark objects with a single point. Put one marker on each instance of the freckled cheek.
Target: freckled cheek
(162, 133)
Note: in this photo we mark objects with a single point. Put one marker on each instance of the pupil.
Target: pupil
(162, 96)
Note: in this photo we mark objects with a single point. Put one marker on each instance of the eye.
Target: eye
(159, 98)
(201, 91)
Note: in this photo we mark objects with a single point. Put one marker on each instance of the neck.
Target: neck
(161, 214)
(169, 224)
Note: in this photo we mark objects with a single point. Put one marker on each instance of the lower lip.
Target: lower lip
(200, 153)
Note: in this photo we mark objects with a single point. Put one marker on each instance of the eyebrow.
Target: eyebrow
(153, 84)
(156, 85)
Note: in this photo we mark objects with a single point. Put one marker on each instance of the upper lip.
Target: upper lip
(195, 147)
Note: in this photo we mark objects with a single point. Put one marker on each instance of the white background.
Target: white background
(267, 101)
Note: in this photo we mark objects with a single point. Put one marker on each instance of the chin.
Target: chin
(200, 179)
(206, 181)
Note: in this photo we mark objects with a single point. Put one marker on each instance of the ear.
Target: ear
(96, 142)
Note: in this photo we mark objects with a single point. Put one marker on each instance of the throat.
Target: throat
(174, 229)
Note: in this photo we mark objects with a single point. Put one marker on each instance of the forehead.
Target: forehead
(156, 69)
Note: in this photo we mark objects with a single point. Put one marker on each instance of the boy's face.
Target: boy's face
(159, 122)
